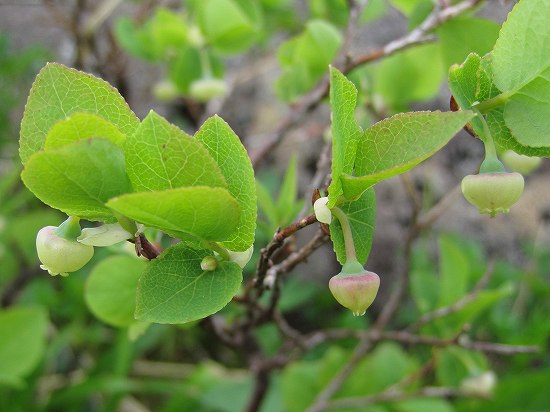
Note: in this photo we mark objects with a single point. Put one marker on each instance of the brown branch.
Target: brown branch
(295, 258)
(275, 244)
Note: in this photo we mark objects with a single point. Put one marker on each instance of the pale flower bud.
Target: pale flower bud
(493, 193)
(322, 212)
(58, 255)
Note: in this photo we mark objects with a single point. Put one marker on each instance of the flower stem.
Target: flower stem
(69, 229)
(491, 163)
(220, 250)
(348, 235)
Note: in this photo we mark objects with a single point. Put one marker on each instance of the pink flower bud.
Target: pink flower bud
(355, 291)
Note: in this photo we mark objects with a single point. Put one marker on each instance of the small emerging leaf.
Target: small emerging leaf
(80, 126)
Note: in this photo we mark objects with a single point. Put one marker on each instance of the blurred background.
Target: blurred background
(156, 53)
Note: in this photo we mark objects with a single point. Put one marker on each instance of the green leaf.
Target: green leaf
(362, 215)
(209, 213)
(160, 156)
(267, 206)
(229, 25)
(469, 84)
(454, 364)
(304, 58)
(464, 35)
(287, 203)
(174, 288)
(230, 155)
(110, 290)
(80, 126)
(58, 92)
(345, 131)
(186, 67)
(158, 38)
(376, 365)
(412, 75)
(472, 82)
(454, 271)
(521, 69)
(397, 144)
(23, 331)
(79, 178)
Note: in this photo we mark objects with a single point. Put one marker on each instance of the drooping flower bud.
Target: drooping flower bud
(209, 263)
(60, 255)
(481, 385)
(165, 91)
(322, 212)
(520, 163)
(355, 291)
(207, 89)
(493, 193)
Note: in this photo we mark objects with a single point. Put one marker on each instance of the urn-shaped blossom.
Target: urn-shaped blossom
(59, 255)
(207, 89)
(355, 291)
(493, 193)
(58, 248)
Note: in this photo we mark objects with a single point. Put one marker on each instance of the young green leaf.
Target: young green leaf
(521, 70)
(110, 291)
(230, 155)
(305, 58)
(79, 178)
(229, 25)
(23, 331)
(81, 126)
(209, 213)
(174, 288)
(58, 92)
(160, 156)
(471, 82)
(464, 35)
(409, 76)
(397, 144)
(345, 131)
(287, 202)
(362, 215)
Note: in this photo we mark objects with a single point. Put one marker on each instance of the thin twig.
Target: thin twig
(276, 243)
(392, 396)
